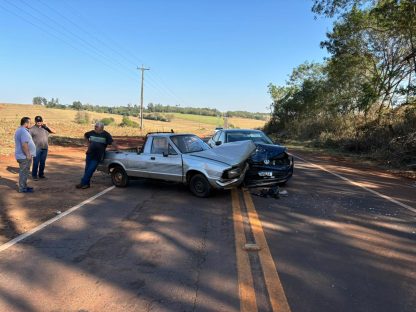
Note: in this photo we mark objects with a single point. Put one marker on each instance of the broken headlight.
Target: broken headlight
(232, 173)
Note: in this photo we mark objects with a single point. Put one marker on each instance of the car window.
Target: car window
(189, 143)
(159, 145)
(216, 136)
(222, 137)
(255, 136)
(172, 150)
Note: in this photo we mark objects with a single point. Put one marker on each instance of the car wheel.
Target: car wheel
(200, 186)
(119, 177)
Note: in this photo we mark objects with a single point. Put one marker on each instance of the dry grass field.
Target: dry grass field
(63, 121)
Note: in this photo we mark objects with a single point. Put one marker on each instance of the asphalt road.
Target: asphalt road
(330, 245)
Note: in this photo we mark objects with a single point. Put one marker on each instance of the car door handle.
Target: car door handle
(152, 158)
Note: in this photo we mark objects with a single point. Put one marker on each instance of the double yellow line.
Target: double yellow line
(277, 297)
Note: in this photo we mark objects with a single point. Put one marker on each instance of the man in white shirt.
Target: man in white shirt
(25, 149)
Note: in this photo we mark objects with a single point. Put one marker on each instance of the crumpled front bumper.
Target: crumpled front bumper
(230, 183)
(280, 174)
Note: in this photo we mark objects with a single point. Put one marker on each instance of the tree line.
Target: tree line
(363, 96)
(134, 110)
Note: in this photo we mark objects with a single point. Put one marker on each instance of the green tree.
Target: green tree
(77, 105)
(39, 100)
(53, 103)
(302, 97)
(379, 50)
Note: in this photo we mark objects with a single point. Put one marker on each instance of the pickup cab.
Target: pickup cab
(182, 158)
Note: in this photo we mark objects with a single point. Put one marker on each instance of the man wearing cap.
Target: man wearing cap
(97, 140)
(25, 149)
(40, 134)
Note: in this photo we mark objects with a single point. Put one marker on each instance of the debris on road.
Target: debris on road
(251, 247)
(268, 192)
(283, 193)
(273, 192)
(58, 212)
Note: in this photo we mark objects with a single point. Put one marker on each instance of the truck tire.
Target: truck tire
(119, 177)
(200, 186)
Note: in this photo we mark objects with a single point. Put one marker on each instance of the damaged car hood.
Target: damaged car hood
(267, 151)
(232, 154)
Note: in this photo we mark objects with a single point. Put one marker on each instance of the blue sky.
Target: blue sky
(202, 53)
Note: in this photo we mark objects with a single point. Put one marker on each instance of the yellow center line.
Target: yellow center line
(274, 287)
(247, 294)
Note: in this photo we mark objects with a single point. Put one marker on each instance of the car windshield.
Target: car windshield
(189, 143)
(255, 136)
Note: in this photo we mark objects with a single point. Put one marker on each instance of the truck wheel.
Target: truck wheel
(119, 177)
(200, 186)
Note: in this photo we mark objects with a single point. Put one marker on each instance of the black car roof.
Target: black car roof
(238, 130)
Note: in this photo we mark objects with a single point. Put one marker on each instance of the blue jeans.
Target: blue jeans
(39, 161)
(90, 167)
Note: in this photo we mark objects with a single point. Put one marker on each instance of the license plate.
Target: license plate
(266, 173)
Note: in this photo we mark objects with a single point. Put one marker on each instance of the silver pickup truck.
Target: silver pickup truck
(182, 158)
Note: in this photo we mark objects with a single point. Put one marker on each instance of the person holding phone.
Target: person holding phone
(40, 134)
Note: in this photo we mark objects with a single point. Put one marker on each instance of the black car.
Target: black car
(270, 163)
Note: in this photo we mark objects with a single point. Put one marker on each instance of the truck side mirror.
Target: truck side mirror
(165, 154)
(218, 143)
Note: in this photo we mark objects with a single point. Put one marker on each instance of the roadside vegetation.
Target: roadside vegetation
(362, 99)
(82, 118)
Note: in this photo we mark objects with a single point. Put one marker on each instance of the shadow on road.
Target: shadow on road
(340, 247)
(163, 249)
(14, 170)
(8, 228)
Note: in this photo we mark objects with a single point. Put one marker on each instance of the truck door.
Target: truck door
(163, 162)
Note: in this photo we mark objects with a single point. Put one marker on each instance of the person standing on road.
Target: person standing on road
(40, 134)
(97, 140)
(25, 149)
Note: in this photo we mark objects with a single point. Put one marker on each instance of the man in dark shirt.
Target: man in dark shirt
(97, 140)
(40, 134)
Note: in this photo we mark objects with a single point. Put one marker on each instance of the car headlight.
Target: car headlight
(233, 173)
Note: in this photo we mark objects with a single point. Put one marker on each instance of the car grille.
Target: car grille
(283, 161)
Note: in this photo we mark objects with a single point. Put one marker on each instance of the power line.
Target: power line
(86, 44)
(174, 94)
(89, 33)
(129, 57)
(46, 30)
(133, 57)
(70, 32)
(62, 30)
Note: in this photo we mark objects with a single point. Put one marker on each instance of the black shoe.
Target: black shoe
(27, 190)
(81, 186)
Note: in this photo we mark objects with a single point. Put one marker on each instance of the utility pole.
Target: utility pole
(141, 97)
(225, 121)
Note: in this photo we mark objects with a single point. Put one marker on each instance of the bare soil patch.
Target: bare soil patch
(64, 169)
(22, 212)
